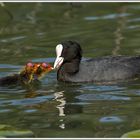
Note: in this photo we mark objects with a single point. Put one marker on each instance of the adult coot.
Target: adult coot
(104, 69)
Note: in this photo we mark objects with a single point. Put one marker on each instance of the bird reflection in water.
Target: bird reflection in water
(59, 96)
(59, 102)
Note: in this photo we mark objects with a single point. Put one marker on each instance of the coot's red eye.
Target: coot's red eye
(30, 64)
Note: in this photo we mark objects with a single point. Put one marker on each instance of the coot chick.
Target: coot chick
(104, 69)
(30, 73)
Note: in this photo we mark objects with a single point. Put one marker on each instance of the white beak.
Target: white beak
(58, 62)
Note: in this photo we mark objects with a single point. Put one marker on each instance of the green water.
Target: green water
(30, 32)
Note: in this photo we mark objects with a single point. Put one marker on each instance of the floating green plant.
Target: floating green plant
(132, 134)
(9, 131)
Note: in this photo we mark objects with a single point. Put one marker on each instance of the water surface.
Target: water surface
(30, 32)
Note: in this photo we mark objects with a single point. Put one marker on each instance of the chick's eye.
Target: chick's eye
(44, 65)
(30, 64)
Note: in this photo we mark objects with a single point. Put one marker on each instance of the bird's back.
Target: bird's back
(108, 68)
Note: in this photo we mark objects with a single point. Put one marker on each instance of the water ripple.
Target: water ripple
(92, 97)
(102, 88)
(111, 119)
(49, 60)
(12, 39)
(9, 66)
(27, 101)
(110, 16)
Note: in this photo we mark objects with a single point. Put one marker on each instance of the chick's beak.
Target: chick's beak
(47, 67)
(58, 62)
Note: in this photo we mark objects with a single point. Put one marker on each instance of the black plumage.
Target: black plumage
(104, 69)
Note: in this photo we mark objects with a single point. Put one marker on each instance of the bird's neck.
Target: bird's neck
(68, 68)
